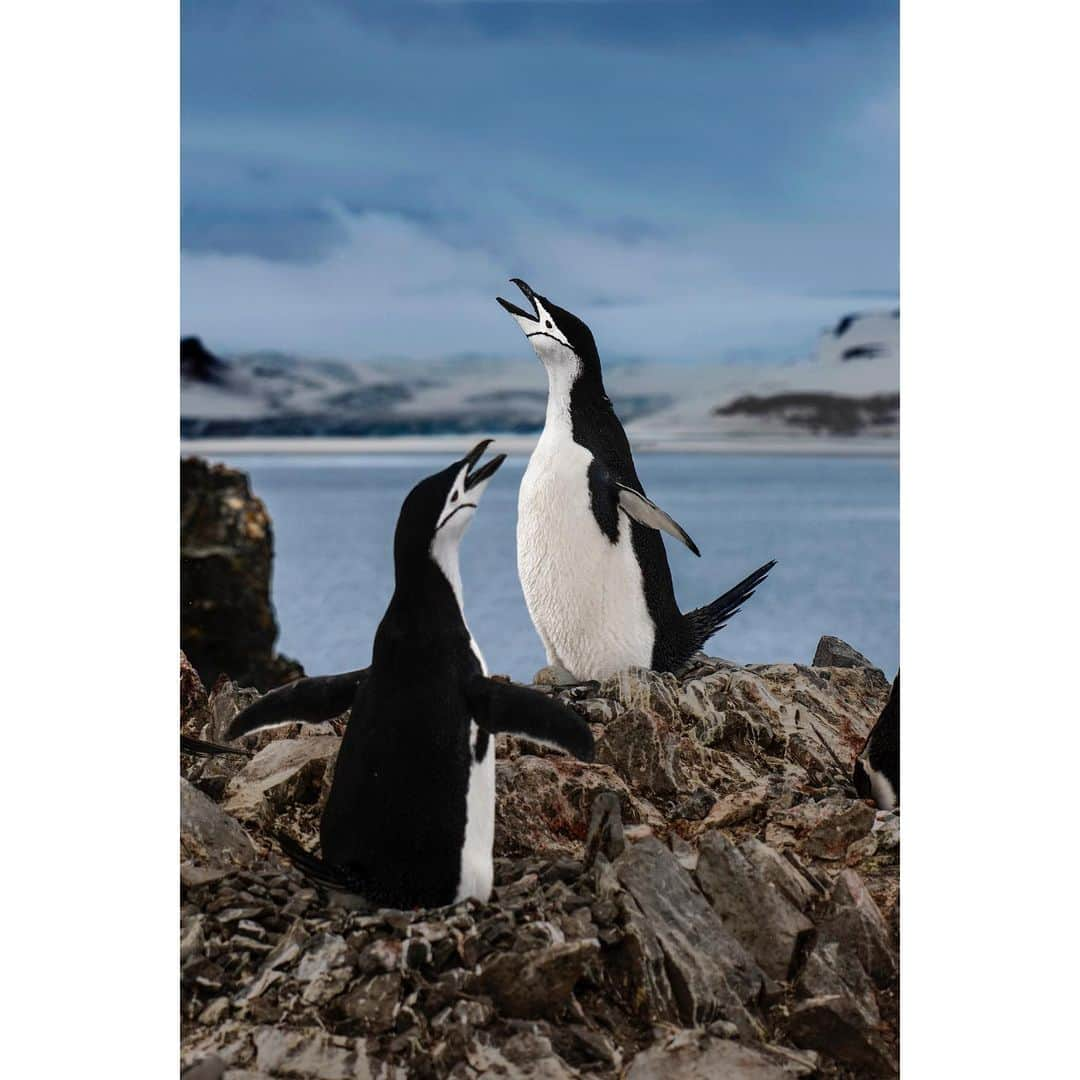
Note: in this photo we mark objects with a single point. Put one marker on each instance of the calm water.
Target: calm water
(833, 524)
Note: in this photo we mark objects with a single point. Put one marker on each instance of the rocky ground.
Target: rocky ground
(707, 899)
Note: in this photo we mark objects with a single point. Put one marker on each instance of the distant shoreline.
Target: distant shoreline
(826, 446)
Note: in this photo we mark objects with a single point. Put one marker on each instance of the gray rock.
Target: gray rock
(281, 774)
(827, 828)
(311, 1053)
(641, 749)
(708, 974)
(781, 871)
(834, 1026)
(373, 1005)
(605, 829)
(207, 834)
(326, 967)
(834, 652)
(536, 983)
(209, 1068)
(772, 929)
(855, 923)
(693, 1055)
(528, 1056)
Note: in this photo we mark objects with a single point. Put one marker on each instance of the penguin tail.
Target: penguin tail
(315, 869)
(312, 700)
(705, 621)
(197, 747)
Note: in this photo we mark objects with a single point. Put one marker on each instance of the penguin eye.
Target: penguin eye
(453, 498)
(547, 323)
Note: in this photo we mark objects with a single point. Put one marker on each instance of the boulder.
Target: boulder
(284, 773)
(208, 835)
(765, 921)
(694, 1055)
(227, 621)
(538, 982)
(708, 974)
(854, 922)
(834, 652)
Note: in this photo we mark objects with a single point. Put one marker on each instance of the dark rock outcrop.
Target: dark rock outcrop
(821, 413)
(227, 621)
(624, 936)
(835, 652)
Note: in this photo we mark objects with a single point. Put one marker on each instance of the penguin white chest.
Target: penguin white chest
(477, 864)
(585, 594)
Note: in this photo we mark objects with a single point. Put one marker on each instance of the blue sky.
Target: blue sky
(699, 181)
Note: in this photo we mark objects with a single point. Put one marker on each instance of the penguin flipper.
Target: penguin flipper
(516, 710)
(194, 747)
(646, 512)
(313, 700)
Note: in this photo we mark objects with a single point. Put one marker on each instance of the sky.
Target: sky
(701, 182)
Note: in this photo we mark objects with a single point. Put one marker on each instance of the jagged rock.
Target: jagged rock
(227, 621)
(326, 967)
(538, 982)
(207, 834)
(373, 1005)
(693, 1055)
(605, 834)
(835, 1026)
(737, 806)
(642, 751)
(784, 872)
(209, 1068)
(528, 1055)
(192, 691)
(706, 972)
(285, 772)
(311, 1053)
(855, 923)
(827, 828)
(767, 924)
(834, 652)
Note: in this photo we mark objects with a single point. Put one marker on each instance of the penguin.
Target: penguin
(410, 818)
(877, 768)
(312, 699)
(590, 557)
(199, 747)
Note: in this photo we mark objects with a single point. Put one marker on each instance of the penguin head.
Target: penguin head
(436, 513)
(560, 339)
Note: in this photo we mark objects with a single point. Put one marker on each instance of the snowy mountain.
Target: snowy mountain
(848, 387)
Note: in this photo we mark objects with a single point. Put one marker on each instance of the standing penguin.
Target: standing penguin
(410, 820)
(591, 561)
(877, 768)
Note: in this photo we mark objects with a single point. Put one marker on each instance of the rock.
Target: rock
(765, 921)
(694, 1055)
(539, 982)
(285, 772)
(825, 829)
(326, 967)
(192, 691)
(696, 805)
(227, 622)
(707, 973)
(209, 1068)
(835, 1027)
(783, 871)
(528, 1056)
(311, 1053)
(373, 1005)
(833, 652)
(605, 834)
(737, 806)
(639, 747)
(207, 834)
(855, 923)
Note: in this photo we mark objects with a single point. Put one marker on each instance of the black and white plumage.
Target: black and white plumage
(410, 817)
(312, 699)
(590, 557)
(877, 768)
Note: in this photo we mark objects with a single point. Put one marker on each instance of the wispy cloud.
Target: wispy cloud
(362, 183)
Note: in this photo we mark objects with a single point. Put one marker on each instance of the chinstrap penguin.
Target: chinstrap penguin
(409, 821)
(877, 768)
(590, 557)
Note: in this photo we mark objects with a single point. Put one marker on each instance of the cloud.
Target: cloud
(361, 181)
(395, 288)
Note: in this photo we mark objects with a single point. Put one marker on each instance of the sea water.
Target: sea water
(831, 522)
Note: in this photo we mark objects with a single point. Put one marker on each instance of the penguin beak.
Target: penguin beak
(485, 472)
(514, 309)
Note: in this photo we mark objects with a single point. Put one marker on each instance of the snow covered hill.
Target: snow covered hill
(848, 388)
